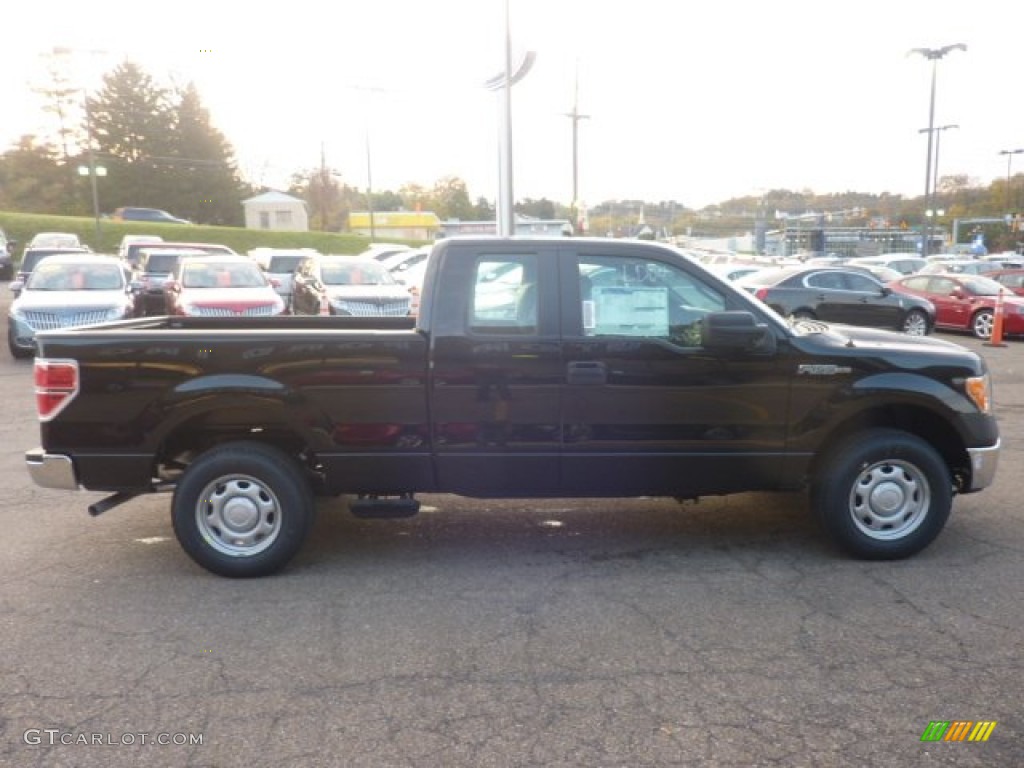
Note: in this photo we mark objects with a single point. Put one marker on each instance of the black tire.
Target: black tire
(883, 494)
(915, 323)
(242, 510)
(16, 352)
(981, 323)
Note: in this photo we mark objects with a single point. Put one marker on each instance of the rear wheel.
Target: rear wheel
(981, 324)
(915, 323)
(883, 494)
(242, 509)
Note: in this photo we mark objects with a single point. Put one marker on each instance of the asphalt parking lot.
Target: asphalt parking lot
(512, 633)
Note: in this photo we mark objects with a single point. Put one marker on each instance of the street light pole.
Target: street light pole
(92, 172)
(935, 172)
(503, 82)
(933, 55)
(1009, 158)
(575, 116)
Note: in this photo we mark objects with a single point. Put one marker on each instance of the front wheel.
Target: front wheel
(242, 509)
(883, 494)
(981, 324)
(915, 323)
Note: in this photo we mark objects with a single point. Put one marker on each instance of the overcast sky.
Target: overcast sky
(696, 102)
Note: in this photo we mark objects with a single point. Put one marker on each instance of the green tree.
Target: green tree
(130, 122)
(32, 179)
(206, 185)
(483, 210)
(451, 199)
(328, 201)
(539, 209)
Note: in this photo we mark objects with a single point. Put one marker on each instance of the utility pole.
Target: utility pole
(575, 117)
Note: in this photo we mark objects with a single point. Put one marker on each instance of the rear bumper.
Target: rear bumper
(51, 470)
(983, 466)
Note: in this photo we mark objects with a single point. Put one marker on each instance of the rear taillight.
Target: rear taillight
(761, 293)
(56, 386)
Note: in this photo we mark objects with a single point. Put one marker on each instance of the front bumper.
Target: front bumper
(51, 470)
(983, 466)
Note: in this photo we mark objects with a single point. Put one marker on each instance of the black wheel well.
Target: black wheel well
(915, 420)
(200, 433)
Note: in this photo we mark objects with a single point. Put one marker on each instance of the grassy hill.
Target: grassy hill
(22, 226)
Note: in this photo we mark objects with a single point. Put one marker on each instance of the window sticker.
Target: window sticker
(630, 311)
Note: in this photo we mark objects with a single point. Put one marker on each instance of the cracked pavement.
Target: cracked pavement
(513, 633)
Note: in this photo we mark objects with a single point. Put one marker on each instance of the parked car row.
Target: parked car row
(840, 295)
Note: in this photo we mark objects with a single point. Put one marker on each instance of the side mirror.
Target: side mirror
(886, 290)
(957, 293)
(17, 286)
(172, 286)
(736, 331)
(275, 282)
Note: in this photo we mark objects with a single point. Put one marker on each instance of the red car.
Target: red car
(221, 286)
(966, 302)
(1010, 278)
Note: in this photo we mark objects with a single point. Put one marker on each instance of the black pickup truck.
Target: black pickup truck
(536, 368)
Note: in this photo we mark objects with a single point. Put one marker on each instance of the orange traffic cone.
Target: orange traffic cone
(996, 339)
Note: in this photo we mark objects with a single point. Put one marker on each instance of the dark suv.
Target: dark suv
(155, 267)
(146, 214)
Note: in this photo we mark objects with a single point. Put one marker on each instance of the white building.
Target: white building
(276, 210)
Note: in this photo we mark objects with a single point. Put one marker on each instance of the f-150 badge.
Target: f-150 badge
(822, 370)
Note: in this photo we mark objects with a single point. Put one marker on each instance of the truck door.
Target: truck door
(647, 410)
(497, 370)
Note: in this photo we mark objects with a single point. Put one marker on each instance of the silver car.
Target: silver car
(65, 291)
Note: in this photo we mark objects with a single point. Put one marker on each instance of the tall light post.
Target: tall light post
(933, 55)
(575, 116)
(1009, 159)
(503, 82)
(935, 166)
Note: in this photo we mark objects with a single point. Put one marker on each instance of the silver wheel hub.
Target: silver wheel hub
(889, 500)
(238, 515)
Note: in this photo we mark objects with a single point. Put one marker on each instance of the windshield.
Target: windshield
(162, 262)
(359, 273)
(281, 265)
(215, 274)
(32, 258)
(76, 277)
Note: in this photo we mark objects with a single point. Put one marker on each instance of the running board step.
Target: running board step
(384, 507)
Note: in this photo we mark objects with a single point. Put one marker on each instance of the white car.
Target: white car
(67, 291)
(54, 240)
(350, 286)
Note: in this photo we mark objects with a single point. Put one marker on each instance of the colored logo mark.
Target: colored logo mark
(958, 730)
